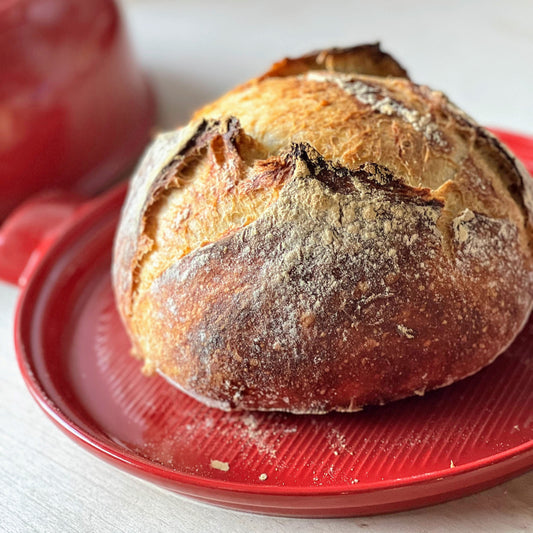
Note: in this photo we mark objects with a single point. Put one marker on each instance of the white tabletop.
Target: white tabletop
(479, 53)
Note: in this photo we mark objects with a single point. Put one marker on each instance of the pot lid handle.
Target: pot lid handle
(31, 229)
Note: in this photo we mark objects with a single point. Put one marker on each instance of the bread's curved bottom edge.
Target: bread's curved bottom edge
(228, 406)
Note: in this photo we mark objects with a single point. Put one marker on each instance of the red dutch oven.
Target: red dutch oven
(74, 356)
(75, 109)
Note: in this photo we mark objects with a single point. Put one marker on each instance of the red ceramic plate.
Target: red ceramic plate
(74, 356)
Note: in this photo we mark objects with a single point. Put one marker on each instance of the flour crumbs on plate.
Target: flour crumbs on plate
(219, 465)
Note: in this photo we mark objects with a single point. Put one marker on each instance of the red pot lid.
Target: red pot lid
(76, 110)
(74, 356)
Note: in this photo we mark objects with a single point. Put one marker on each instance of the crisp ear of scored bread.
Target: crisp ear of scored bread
(327, 236)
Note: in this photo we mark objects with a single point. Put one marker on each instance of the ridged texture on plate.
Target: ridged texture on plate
(469, 422)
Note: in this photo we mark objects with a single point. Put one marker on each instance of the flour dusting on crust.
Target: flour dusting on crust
(375, 97)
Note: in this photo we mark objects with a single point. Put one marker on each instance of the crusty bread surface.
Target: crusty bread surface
(327, 236)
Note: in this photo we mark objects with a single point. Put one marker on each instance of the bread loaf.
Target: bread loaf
(326, 236)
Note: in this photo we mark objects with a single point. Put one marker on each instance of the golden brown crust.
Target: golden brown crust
(366, 59)
(321, 241)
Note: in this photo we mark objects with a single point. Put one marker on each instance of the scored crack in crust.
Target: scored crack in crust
(326, 236)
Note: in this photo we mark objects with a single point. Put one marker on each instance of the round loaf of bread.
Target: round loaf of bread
(327, 236)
